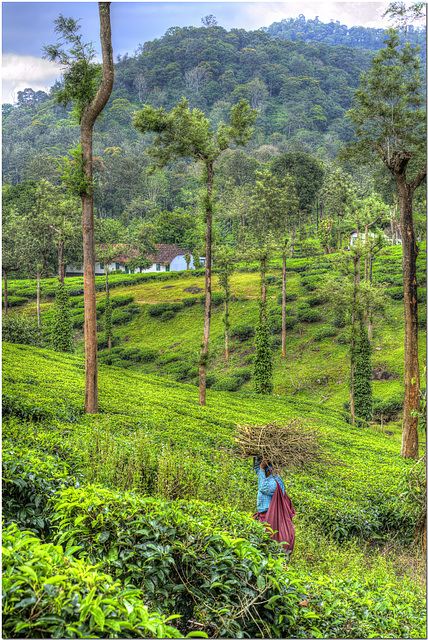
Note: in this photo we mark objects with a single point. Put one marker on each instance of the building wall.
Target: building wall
(178, 264)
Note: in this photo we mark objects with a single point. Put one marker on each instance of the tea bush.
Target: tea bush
(157, 310)
(14, 301)
(308, 315)
(289, 297)
(168, 413)
(21, 330)
(183, 562)
(396, 293)
(47, 593)
(29, 481)
(243, 332)
(217, 298)
(324, 332)
(115, 301)
(189, 302)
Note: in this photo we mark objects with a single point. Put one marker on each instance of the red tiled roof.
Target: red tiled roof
(165, 254)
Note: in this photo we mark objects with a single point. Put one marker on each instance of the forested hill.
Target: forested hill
(334, 34)
(302, 92)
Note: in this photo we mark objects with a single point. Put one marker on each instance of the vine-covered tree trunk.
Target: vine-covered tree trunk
(5, 292)
(353, 318)
(263, 290)
(284, 301)
(203, 358)
(89, 116)
(61, 266)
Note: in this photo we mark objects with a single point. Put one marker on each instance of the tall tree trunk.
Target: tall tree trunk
(226, 324)
(207, 318)
(89, 116)
(409, 441)
(398, 165)
(5, 292)
(284, 299)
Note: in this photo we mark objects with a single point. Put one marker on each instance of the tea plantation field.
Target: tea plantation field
(137, 522)
(153, 491)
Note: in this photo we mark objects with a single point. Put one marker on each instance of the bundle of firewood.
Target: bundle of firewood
(285, 445)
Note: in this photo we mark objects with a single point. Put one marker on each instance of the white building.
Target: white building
(168, 257)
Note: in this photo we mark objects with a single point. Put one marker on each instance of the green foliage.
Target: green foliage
(360, 499)
(217, 298)
(62, 335)
(21, 329)
(49, 594)
(73, 173)
(363, 374)
(158, 310)
(324, 332)
(308, 315)
(82, 76)
(15, 301)
(243, 332)
(388, 408)
(289, 297)
(165, 546)
(29, 481)
(263, 364)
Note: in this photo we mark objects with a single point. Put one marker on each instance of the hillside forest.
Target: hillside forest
(288, 165)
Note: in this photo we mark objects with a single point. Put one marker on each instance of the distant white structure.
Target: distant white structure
(362, 236)
(169, 257)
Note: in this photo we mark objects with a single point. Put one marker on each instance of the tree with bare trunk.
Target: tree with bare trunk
(390, 128)
(183, 133)
(88, 86)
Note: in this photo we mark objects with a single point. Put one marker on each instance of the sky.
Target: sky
(27, 26)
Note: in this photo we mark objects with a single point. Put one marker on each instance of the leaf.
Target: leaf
(99, 617)
(103, 536)
(26, 569)
(55, 579)
(26, 602)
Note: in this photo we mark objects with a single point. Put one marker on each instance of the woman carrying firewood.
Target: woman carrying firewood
(273, 504)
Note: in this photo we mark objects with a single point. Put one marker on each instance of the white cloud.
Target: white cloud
(20, 72)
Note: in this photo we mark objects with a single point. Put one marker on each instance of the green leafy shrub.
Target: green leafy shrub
(242, 332)
(324, 332)
(14, 301)
(229, 383)
(177, 370)
(115, 302)
(275, 323)
(102, 341)
(308, 315)
(189, 302)
(21, 330)
(163, 547)
(156, 310)
(121, 316)
(217, 298)
(387, 408)
(315, 301)
(148, 355)
(289, 297)
(422, 295)
(272, 279)
(343, 338)
(422, 320)
(263, 363)
(339, 320)
(49, 594)
(29, 481)
(167, 315)
(396, 293)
